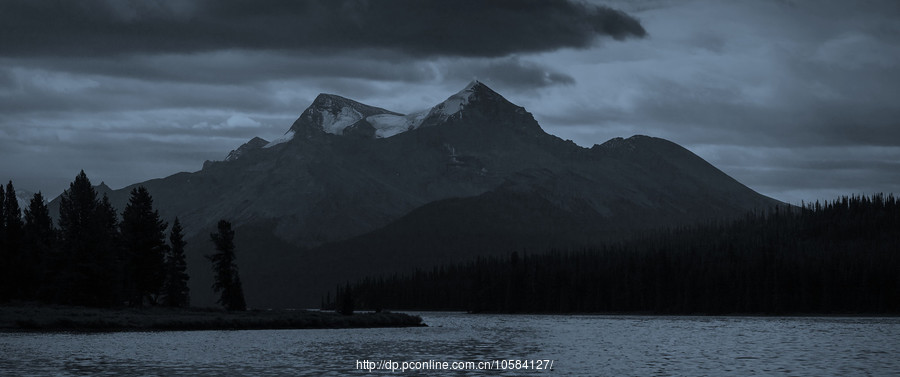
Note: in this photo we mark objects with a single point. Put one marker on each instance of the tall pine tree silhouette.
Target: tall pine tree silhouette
(91, 257)
(175, 288)
(143, 238)
(111, 255)
(39, 240)
(6, 265)
(12, 245)
(346, 300)
(227, 280)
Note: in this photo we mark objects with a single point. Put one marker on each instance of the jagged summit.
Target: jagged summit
(333, 114)
(475, 91)
(254, 143)
(455, 103)
(329, 113)
(480, 90)
(333, 103)
(476, 94)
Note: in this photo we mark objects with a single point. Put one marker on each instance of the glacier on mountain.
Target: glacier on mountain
(288, 136)
(338, 113)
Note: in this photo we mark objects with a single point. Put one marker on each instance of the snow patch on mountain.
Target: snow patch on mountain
(336, 123)
(455, 103)
(387, 125)
(288, 136)
(333, 114)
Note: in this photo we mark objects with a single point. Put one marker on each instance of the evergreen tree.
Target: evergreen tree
(39, 239)
(110, 254)
(143, 239)
(90, 273)
(346, 301)
(175, 288)
(13, 243)
(5, 257)
(227, 280)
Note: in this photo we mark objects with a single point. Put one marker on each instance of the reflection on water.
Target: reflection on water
(580, 345)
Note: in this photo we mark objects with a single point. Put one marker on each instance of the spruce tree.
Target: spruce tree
(175, 288)
(91, 261)
(143, 239)
(13, 215)
(227, 280)
(13, 243)
(346, 301)
(5, 257)
(39, 240)
(110, 253)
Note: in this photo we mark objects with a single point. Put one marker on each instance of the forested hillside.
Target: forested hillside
(840, 257)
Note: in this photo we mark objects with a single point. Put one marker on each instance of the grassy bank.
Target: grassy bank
(67, 318)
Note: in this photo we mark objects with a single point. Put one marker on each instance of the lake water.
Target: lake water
(577, 345)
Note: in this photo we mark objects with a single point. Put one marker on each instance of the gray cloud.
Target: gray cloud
(804, 102)
(707, 115)
(236, 67)
(414, 27)
(44, 151)
(513, 73)
(810, 173)
(240, 81)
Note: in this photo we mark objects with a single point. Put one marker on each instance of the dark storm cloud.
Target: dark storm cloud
(234, 67)
(247, 68)
(415, 27)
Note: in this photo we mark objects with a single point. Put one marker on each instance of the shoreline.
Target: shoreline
(664, 314)
(50, 318)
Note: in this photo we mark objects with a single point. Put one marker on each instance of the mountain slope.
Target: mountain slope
(635, 184)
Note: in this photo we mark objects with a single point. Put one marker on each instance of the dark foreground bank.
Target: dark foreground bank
(67, 318)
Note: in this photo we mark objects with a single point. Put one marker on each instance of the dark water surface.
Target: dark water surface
(578, 345)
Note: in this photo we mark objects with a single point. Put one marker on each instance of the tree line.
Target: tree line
(840, 257)
(94, 259)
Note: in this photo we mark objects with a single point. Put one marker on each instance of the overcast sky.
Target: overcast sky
(797, 99)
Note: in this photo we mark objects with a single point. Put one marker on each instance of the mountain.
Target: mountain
(352, 189)
(248, 147)
(332, 114)
(23, 197)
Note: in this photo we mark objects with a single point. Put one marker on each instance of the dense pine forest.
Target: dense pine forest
(92, 258)
(841, 257)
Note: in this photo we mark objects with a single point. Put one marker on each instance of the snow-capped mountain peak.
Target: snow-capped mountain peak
(333, 114)
(387, 125)
(456, 102)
